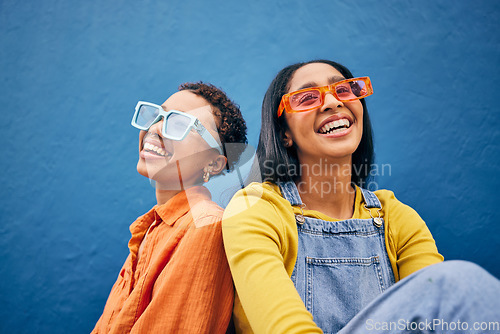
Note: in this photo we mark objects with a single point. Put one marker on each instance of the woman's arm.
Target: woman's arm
(258, 246)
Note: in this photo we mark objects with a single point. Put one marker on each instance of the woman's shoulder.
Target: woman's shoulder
(388, 199)
(386, 195)
(398, 213)
(265, 191)
(259, 198)
(206, 212)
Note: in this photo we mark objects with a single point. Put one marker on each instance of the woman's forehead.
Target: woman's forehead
(185, 101)
(192, 104)
(314, 74)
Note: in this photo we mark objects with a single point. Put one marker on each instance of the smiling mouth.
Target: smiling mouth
(335, 126)
(148, 147)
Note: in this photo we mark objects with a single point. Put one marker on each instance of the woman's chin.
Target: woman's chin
(141, 168)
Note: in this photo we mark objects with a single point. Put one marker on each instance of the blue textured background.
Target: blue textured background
(72, 72)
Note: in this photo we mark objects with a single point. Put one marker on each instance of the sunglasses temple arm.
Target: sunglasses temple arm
(281, 108)
(207, 136)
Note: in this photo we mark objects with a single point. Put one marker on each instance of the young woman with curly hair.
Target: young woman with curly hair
(176, 278)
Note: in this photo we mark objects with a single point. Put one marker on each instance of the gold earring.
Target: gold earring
(206, 175)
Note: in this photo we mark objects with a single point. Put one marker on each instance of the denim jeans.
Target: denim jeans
(448, 297)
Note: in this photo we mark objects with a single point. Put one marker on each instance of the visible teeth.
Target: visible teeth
(337, 130)
(154, 148)
(338, 125)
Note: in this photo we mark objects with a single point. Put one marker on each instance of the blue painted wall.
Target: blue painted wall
(72, 72)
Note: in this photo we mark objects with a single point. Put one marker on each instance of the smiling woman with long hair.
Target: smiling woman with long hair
(311, 249)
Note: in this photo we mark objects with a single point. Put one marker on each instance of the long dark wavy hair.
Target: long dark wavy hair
(280, 164)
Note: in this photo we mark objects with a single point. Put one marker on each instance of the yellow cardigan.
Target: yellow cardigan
(260, 238)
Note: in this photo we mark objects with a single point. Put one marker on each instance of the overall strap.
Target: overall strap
(371, 199)
(290, 192)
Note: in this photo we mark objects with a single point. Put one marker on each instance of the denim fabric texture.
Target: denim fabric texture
(449, 297)
(341, 265)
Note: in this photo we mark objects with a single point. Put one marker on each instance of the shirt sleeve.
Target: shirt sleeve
(412, 243)
(257, 245)
(194, 293)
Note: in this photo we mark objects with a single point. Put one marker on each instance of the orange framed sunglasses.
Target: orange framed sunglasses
(311, 98)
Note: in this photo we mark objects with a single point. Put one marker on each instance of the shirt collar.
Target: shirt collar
(180, 204)
(167, 213)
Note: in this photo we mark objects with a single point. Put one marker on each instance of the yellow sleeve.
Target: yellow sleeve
(411, 246)
(261, 250)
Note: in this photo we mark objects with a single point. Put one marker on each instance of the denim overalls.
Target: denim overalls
(341, 266)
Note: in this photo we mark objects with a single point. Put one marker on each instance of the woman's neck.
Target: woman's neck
(325, 186)
(163, 196)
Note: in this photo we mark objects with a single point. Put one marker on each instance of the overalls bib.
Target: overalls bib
(341, 265)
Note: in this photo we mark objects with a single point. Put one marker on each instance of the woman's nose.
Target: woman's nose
(331, 102)
(157, 127)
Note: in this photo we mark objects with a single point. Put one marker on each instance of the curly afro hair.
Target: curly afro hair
(232, 127)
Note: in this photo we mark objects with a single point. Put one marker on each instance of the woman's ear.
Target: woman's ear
(287, 138)
(217, 165)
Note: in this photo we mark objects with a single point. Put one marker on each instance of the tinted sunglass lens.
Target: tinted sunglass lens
(305, 100)
(351, 90)
(358, 88)
(176, 126)
(146, 115)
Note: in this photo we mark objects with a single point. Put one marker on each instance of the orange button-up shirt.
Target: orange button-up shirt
(181, 281)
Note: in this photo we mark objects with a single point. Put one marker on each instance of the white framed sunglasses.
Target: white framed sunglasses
(176, 124)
